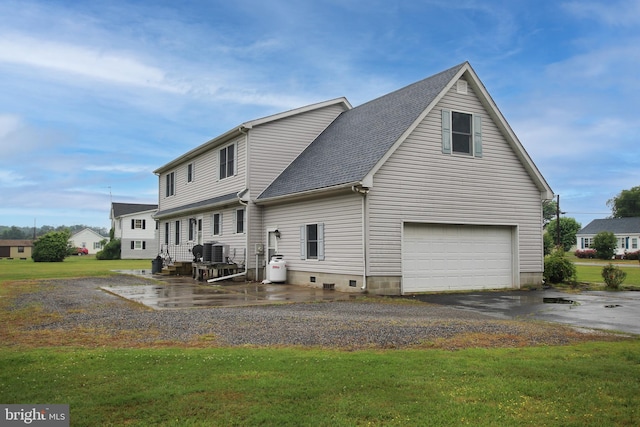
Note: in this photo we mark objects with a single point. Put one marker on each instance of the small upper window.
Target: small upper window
(461, 132)
(227, 161)
(190, 172)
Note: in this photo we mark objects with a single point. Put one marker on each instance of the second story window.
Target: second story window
(171, 184)
(190, 172)
(227, 157)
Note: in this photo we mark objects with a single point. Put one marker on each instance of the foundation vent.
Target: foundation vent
(329, 286)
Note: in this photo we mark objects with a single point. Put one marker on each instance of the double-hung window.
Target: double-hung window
(192, 229)
(240, 221)
(216, 221)
(190, 172)
(227, 161)
(170, 189)
(461, 133)
(138, 223)
(312, 241)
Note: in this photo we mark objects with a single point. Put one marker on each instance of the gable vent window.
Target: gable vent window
(461, 87)
(461, 133)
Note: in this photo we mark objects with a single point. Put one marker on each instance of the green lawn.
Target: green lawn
(592, 384)
(73, 266)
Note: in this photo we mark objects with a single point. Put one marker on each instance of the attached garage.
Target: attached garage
(446, 257)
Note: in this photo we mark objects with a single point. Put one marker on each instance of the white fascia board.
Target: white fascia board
(295, 111)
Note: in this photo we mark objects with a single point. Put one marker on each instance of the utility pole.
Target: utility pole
(558, 221)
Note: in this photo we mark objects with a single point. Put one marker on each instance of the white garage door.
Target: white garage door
(456, 257)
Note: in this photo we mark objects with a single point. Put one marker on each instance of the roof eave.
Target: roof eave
(303, 195)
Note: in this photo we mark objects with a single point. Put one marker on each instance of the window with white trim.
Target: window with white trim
(312, 241)
(138, 223)
(167, 231)
(226, 160)
(240, 221)
(192, 229)
(190, 172)
(216, 224)
(138, 245)
(634, 243)
(177, 230)
(170, 187)
(461, 133)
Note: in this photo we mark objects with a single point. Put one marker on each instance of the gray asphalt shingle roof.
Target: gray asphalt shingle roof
(613, 225)
(357, 139)
(120, 209)
(198, 205)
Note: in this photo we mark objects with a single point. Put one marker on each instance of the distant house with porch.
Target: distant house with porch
(626, 230)
(16, 249)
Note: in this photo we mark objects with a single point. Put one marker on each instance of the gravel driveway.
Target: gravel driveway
(77, 306)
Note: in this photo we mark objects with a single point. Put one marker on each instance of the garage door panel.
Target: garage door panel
(446, 257)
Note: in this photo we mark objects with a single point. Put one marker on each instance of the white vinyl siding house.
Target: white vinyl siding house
(88, 239)
(133, 224)
(626, 230)
(421, 184)
(221, 193)
(379, 198)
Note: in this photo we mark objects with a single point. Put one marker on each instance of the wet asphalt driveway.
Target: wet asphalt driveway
(608, 310)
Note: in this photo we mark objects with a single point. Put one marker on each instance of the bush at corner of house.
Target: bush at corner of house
(586, 253)
(558, 269)
(613, 276)
(632, 255)
(52, 247)
(110, 251)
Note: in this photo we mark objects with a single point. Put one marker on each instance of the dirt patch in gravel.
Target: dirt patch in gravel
(75, 312)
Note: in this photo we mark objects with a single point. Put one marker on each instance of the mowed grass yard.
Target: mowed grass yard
(590, 384)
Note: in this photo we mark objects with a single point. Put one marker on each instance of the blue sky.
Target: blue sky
(95, 95)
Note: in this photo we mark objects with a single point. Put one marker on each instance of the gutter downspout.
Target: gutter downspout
(245, 132)
(363, 191)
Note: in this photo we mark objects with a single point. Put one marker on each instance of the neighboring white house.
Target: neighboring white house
(134, 225)
(426, 188)
(626, 230)
(88, 239)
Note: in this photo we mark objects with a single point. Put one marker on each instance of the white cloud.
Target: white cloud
(94, 63)
(13, 179)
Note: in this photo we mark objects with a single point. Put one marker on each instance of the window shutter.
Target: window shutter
(144, 224)
(477, 135)
(320, 242)
(133, 224)
(144, 245)
(446, 132)
(133, 244)
(303, 242)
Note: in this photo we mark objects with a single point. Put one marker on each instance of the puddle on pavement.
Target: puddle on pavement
(185, 293)
(557, 301)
